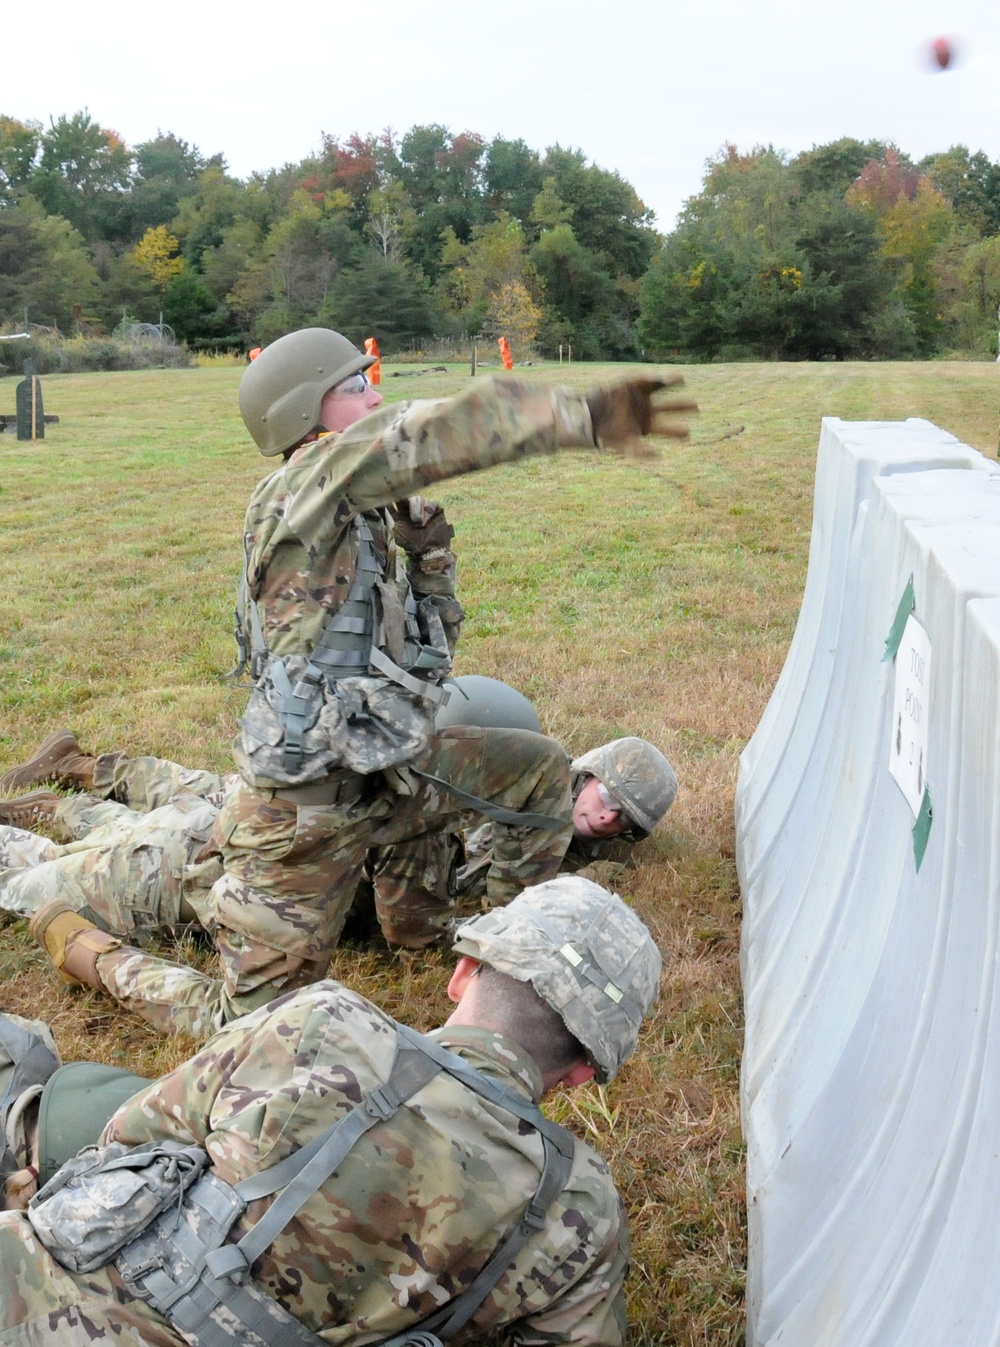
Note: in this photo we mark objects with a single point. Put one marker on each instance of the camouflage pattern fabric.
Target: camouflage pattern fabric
(291, 872)
(407, 887)
(585, 952)
(423, 532)
(417, 1209)
(638, 776)
(298, 539)
(410, 888)
(601, 859)
(413, 889)
(133, 871)
(148, 783)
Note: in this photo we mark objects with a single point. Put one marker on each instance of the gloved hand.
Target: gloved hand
(420, 525)
(624, 413)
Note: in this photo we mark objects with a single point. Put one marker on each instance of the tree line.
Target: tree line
(408, 237)
(849, 250)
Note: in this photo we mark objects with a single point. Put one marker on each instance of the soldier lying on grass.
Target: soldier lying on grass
(134, 852)
(445, 1202)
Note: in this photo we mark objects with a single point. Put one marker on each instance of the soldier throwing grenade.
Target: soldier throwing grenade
(338, 742)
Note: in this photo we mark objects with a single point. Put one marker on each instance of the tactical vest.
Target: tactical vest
(185, 1269)
(285, 742)
(373, 632)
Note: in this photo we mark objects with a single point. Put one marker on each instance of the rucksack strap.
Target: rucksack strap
(302, 1173)
(558, 1150)
(494, 811)
(187, 1271)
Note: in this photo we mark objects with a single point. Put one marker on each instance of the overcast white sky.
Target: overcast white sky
(649, 88)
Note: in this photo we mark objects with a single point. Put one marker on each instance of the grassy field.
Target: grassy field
(653, 597)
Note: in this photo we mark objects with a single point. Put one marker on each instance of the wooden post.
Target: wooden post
(472, 371)
(28, 400)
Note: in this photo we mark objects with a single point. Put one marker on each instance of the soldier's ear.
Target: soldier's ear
(465, 970)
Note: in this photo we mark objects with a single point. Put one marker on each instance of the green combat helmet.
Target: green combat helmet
(281, 391)
(585, 953)
(639, 777)
(478, 700)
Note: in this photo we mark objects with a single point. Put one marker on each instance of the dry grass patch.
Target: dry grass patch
(654, 598)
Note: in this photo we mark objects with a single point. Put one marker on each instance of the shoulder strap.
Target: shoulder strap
(247, 653)
(190, 1277)
(558, 1149)
(303, 1172)
(496, 812)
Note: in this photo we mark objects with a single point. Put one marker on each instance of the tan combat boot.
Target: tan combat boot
(72, 942)
(29, 811)
(58, 758)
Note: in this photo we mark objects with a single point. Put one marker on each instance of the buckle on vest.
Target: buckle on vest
(382, 1102)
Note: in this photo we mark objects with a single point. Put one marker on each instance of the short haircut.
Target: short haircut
(515, 1009)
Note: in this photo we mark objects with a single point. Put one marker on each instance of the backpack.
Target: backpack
(28, 1057)
(164, 1218)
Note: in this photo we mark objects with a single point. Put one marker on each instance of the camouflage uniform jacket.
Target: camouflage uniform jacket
(420, 1204)
(602, 859)
(300, 548)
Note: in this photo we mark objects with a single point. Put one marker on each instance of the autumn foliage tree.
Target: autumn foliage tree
(846, 250)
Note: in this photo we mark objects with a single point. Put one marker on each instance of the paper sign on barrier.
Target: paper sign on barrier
(908, 750)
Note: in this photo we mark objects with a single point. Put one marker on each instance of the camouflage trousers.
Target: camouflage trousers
(407, 888)
(132, 872)
(291, 871)
(129, 872)
(148, 783)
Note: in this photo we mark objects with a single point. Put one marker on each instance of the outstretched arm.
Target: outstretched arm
(402, 450)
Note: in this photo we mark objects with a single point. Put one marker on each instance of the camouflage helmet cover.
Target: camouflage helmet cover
(637, 774)
(478, 700)
(283, 388)
(584, 951)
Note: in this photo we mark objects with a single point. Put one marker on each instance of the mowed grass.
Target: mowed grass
(653, 597)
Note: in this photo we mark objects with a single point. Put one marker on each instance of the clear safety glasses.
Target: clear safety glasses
(353, 386)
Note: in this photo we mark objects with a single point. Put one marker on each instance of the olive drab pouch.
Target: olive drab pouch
(105, 1196)
(300, 725)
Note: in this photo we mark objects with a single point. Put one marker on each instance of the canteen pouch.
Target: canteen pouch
(300, 726)
(105, 1196)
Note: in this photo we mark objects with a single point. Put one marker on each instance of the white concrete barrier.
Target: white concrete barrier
(871, 1072)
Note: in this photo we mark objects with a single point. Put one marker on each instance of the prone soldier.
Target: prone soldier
(437, 1200)
(134, 853)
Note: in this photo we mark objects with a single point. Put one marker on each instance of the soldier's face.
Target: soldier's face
(351, 400)
(593, 816)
